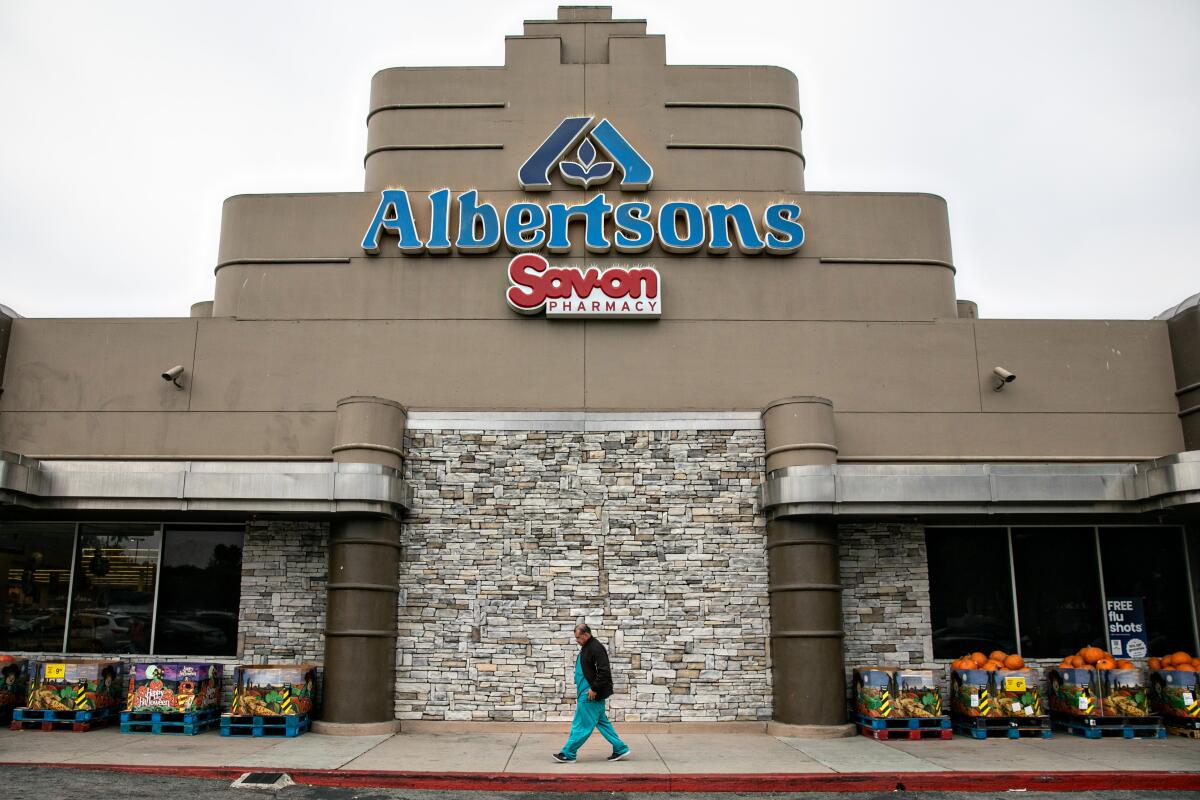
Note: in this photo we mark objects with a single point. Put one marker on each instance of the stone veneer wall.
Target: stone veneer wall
(885, 596)
(653, 538)
(284, 566)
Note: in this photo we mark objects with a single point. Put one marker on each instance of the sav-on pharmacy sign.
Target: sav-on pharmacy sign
(526, 227)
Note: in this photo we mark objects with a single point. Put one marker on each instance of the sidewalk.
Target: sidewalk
(660, 761)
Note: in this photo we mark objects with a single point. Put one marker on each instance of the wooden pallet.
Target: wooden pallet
(1003, 727)
(1095, 727)
(1191, 733)
(277, 726)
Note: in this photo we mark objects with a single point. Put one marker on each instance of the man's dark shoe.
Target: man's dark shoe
(618, 756)
(562, 758)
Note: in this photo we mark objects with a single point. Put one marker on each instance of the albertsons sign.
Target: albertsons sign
(527, 228)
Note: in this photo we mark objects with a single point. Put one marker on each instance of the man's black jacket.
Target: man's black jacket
(594, 660)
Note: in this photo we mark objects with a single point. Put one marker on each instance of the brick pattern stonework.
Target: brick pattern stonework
(651, 537)
(885, 596)
(282, 618)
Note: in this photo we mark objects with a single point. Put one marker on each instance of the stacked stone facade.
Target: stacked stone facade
(284, 567)
(652, 537)
(885, 595)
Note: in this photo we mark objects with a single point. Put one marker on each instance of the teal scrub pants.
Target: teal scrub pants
(589, 716)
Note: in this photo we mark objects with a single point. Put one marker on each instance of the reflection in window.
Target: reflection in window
(114, 589)
(35, 573)
(1149, 563)
(1058, 590)
(970, 591)
(201, 586)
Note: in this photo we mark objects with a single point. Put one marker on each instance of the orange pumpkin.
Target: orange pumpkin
(1106, 663)
(992, 666)
(1186, 668)
(998, 656)
(979, 658)
(1091, 655)
(1154, 663)
(1181, 657)
(1125, 664)
(1077, 662)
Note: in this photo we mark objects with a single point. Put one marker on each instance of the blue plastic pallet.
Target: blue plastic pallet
(1000, 732)
(187, 723)
(1100, 727)
(186, 717)
(50, 715)
(902, 723)
(281, 726)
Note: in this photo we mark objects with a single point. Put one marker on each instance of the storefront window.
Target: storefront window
(114, 589)
(1060, 585)
(1058, 590)
(106, 578)
(1149, 563)
(970, 591)
(201, 586)
(35, 567)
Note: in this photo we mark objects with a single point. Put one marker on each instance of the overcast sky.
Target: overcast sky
(1063, 134)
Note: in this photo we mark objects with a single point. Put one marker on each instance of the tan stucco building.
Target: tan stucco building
(806, 455)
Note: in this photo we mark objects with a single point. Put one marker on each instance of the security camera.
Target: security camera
(1003, 376)
(173, 374)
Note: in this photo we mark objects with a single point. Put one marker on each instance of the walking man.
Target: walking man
(593, 684)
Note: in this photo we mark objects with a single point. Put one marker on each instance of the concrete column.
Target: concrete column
(364, 559)
(807, 661)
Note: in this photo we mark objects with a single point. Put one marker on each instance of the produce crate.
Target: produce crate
(184, 724)
(972, 693)
(1074, 691)
(14, 683)
(174, 687)
(1096, 727)
(1123, 693)
(1175, 696)
(264, 726)
(273, 690)
(1016, 693)
(75, 685)
(917, 693)
(1003, 727)
(873, 692)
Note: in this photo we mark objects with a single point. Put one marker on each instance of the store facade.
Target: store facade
(585, 348)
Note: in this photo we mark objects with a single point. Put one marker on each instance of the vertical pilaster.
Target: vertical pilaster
(364, 558)
(802, 562)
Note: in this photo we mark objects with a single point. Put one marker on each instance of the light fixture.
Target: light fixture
(173, 375)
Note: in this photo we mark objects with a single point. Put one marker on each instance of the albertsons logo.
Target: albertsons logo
(585, 154)
(585, 170)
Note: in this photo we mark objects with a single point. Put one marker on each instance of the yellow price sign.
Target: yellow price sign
(1014, 684)
(56, 671)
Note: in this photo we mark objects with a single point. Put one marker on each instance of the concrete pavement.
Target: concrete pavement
(494, 757)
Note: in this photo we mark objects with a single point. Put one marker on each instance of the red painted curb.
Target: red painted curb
(768, 782)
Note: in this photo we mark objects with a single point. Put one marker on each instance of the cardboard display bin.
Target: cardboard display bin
(873, 693)
(971, 693)
(14, 682)
(76, 685)
(1074, 691)
(1123, 693)
(917, 693)
(1017, 693)
(274, 689)
(175, 687)
(1175, 694)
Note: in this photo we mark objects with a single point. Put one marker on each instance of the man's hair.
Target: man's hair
(583, 628)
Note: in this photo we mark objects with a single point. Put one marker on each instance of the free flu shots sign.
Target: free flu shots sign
(1127, 627)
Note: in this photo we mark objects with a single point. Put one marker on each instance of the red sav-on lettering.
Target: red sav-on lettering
(577, 292)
